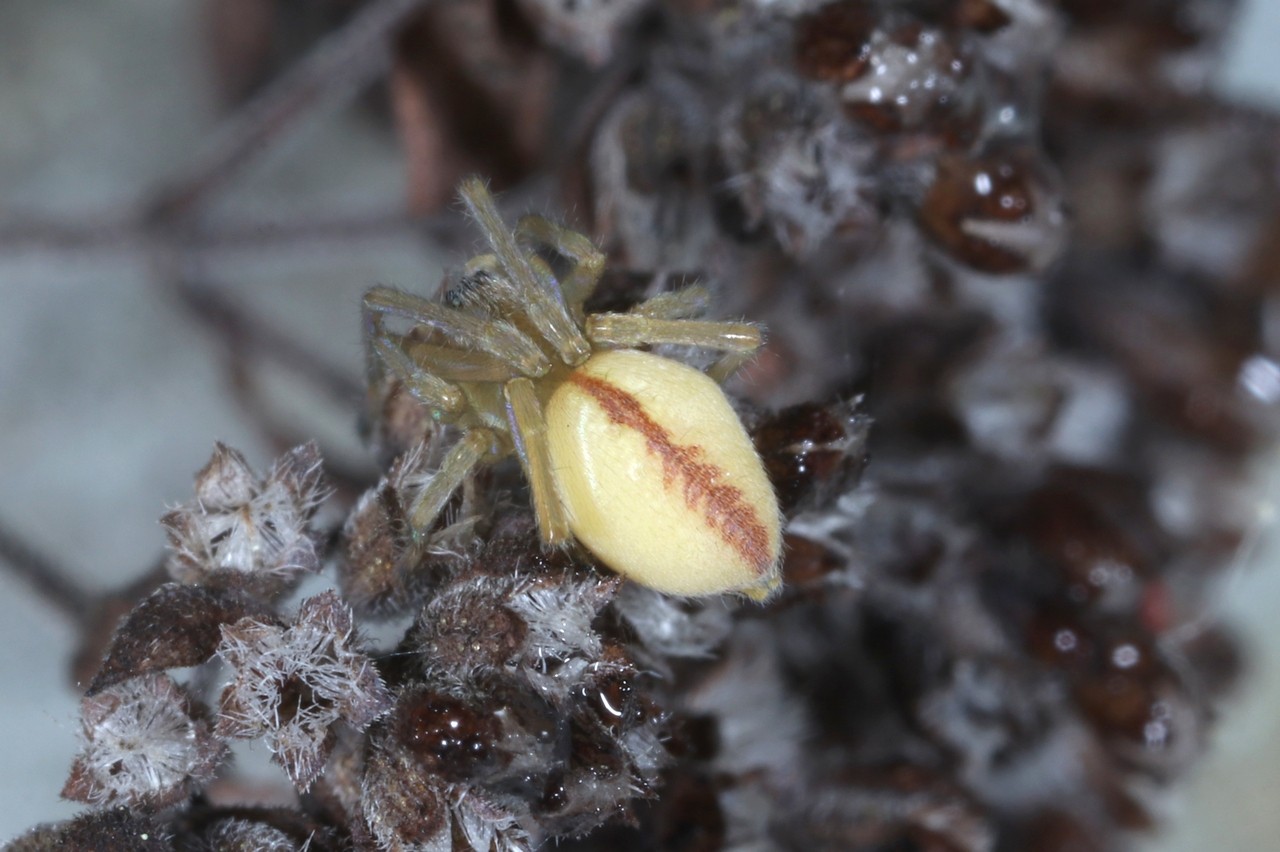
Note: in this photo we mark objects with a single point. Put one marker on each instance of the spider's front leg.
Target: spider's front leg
(739, 341)
(588, 261)
(529, 433)
(497, 339)
(686, 303)
(535, 285)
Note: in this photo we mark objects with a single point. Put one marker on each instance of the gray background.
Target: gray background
(110, 399)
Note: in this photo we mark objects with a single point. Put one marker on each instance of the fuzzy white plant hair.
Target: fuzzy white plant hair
(671, 628)
(143, 745)
(559, 617)
(237, 834)
(292, 683)
(240, 522)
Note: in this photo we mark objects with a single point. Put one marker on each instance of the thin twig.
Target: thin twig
(68, 236)
(350, 480)
(336, 70)
(49, 580)
(251, 336)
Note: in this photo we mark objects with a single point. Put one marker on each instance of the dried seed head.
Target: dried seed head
(292, 683)
(242, 835)
(469, 629)
(561, 642)
(833, 43)
(453, 739)
(892, 72)
(408, 807)
(106, 830)
(900, 806)
(813, 452)
(998, 213)
(384, 573)
(797, 168)
(669, 627)
(257, 529)
(404, 803)
(646, 161)
(173, 627)
(585, 27)
(144, 745)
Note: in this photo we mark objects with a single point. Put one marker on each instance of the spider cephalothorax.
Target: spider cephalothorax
(638, 457)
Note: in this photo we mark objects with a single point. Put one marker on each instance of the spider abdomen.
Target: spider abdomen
(659, 478)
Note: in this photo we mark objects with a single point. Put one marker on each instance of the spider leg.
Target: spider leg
(457, 464)
(538, 289)
(631, 330)
(457, 365)
(529, 433)
(728, 364)
(739, 341)
(493, 337)
(428, 388)
(686, 303)
(588, 261)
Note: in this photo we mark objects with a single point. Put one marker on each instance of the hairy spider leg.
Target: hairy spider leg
(728, 364)
(469, 333)
(737, 340)
(436, 393)
(686, 303)
(458, 463)
(588, 261)
(538, 290)
(529, 434)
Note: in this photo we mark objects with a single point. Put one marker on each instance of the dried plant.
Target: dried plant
(293, 683)
(1008, 404)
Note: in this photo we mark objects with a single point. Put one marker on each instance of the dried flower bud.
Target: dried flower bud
(408, 807)
(98, 831)
(384, 573)
(797, 168)
(468, 629)
(813, 452)
(998, 213)
(242, 835)
(144, 745)
(292, 683)
(258, 529)
(585, 27)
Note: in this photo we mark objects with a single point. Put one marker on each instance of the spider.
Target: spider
(639, 458)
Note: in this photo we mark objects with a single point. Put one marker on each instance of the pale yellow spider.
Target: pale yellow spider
(639, 458)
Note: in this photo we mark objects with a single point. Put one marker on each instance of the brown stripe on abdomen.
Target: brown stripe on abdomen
(722, 506)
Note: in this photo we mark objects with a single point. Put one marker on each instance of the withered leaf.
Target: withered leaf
(177, 625)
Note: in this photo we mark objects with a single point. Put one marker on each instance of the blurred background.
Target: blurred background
(115, 382)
